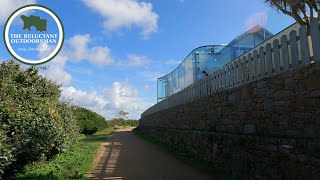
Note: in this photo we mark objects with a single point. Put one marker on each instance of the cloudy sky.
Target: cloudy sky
(116, 49)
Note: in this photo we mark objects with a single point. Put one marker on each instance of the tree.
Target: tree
(123, 114)
(301, 10)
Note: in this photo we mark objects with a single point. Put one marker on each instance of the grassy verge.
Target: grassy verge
(196, 163)
(72, 164)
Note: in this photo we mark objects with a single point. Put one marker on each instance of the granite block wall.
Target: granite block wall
(267, 129)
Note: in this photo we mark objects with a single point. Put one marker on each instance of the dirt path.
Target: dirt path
(126, 156)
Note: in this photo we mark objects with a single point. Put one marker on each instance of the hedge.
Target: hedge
(88, 121)
(32, 119)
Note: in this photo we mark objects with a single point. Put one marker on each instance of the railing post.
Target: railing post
(240, 73)
(235, 73)
(276, 56)
(219, 79)
(249, 67)
(231, 78)
(294, 49)
(227, 76)
(269, 60)
(223, 78)
(262, 62)
(255, 65)
(199, 89)
(190, 92)
(214, 82)
(245, 69)
(304, 44)
(315, 36)
(202, 89)
(209, 85)
(285, 52)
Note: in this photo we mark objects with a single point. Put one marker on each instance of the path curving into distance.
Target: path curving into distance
(125, 156)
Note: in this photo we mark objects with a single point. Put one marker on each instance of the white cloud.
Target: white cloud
(79, 46)
(147, 87)
(120, 14)
(121, 96)
(55, 68)
(136, 60)
(9, 6)
(82, 98)
(79, 50)
(75, 49)
(56, 72)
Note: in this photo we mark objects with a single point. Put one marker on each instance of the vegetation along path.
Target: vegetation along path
(126, 156)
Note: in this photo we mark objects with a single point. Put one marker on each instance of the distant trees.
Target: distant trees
(301, 10)
(123, 114)
(89, 121)
(123, 120)
(133, 123)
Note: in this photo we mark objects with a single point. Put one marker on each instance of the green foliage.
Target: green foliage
(72, 164)
(31, 117)
(123, 122)
(123, 114)
(132, 123)
(5, 152)
(89, 122)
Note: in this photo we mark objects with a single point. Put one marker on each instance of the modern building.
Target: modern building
(202, 61)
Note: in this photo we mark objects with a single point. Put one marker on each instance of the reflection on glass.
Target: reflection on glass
(205, 60)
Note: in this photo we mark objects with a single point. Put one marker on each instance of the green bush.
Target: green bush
(88, 121)
(133, 123)
(5, 152)
(31, 117)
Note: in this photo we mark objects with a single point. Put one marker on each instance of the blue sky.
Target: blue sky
(115, 49)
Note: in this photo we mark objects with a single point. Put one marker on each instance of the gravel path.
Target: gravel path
(127, 156)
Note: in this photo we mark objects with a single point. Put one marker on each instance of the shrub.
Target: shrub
(89, 122)
(31, 117)
(5, 152)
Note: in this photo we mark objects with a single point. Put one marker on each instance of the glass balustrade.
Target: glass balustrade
(204, 60)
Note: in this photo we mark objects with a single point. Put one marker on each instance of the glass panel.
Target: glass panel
(203, 61)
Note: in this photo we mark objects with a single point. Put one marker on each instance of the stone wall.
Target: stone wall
(268, 129)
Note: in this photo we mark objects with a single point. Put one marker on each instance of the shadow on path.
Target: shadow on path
(126, 156)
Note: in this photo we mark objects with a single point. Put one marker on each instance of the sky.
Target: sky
(115, 50)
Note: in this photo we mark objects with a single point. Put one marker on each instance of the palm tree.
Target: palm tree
(301, 10)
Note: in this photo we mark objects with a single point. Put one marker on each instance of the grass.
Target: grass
(72, 164)
(196, 163)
